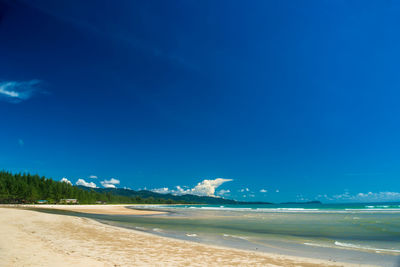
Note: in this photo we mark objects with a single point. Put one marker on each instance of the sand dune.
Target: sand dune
(30, 238)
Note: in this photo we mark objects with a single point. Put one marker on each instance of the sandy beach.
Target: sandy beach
(30, 238)
(99, 209)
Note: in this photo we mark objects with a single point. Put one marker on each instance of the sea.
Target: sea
(360, 233)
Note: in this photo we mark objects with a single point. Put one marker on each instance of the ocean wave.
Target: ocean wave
(383, 207)
(191, 235)
(349, 245)
(297, 210)
(236, 236)
(362, 209)
(317, 245)
(375, 209)
(222, 208)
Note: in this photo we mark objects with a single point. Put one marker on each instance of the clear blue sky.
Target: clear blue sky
(300, 97)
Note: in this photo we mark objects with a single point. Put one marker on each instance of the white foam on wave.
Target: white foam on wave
(364, 209)
(235, 236)
(191, 235)
(224, 208)
(157, 230)
(374, 210)
(317, 245)
(349, 245)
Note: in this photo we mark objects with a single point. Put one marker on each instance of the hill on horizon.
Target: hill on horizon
(146, 194)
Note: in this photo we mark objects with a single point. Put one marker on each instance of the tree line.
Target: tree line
(26, 188)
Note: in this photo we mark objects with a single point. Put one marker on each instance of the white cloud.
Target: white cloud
(277, 190)
(224, 192)
(367, 197)
(16, 92)
(107, 185)
(86, 184)
(93, 177)
(65, 180)
(164, 190)
(110, 183)
(207, 187)
(204, 188)
(325, 196)
(263, 191)
(244, 190)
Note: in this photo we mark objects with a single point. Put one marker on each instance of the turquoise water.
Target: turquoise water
(348, 207)
(357, 233)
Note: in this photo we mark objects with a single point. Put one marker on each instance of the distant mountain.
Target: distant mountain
(27, 188)
(188, 198)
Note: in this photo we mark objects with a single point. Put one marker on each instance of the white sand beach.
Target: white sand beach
(99, 209)
(31, 238)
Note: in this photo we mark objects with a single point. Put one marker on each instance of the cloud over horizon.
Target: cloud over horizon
(110, 183)
(203, 188)
(65, 180)
(224, 192)
(82, 182)
(16, 92)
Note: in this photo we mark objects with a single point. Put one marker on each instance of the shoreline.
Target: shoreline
(117, 209)
(51, 239)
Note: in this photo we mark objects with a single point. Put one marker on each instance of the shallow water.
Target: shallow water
(351, 234)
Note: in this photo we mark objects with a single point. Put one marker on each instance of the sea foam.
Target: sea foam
(349, 245)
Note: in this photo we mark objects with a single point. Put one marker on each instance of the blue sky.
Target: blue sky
(295, 98)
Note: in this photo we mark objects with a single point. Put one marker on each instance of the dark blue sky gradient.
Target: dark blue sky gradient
(296, 96)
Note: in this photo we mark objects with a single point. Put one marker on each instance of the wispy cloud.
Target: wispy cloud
(86, 184)
(163, 190)
(110, 183)
(203, 188)
(16, 92)
(263, 191)
(224, 192)
(65, 180)
(93, 177)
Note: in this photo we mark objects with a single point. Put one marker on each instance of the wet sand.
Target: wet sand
(31, 238)
(99, 209)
